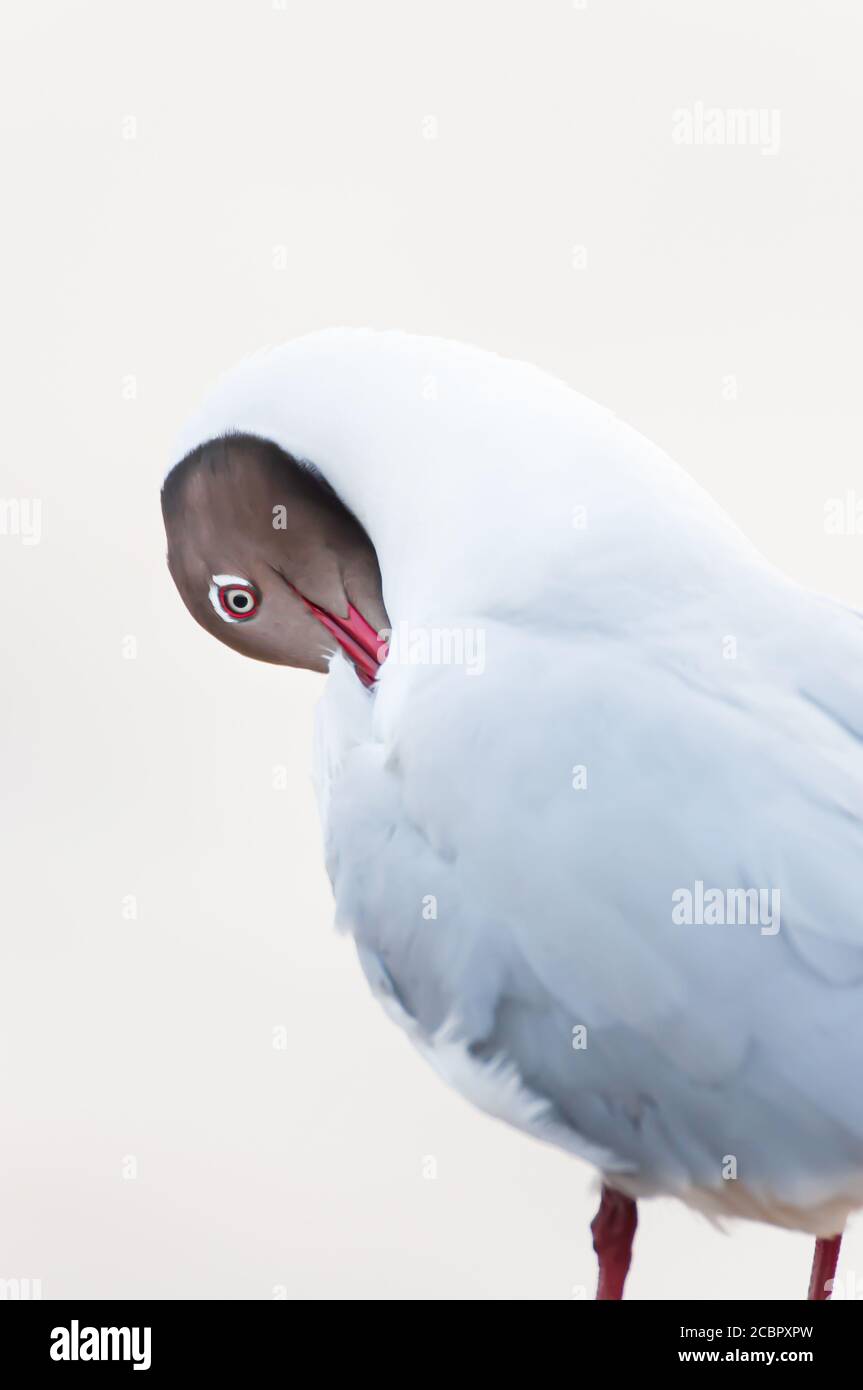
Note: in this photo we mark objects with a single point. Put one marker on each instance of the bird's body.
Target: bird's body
(603, 714)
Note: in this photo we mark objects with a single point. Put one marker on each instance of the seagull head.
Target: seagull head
(269, 560)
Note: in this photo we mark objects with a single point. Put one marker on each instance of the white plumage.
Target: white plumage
(656, 707)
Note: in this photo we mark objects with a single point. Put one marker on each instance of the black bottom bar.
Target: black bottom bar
(223, 1339)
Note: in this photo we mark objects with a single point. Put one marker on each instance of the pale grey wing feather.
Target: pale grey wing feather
(553, 906)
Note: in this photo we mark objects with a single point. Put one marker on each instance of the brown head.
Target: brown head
(268, 559)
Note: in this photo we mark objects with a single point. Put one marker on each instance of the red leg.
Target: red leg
(823, 1267)
(613, 1230)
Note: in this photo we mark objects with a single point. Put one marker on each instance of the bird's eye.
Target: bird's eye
(241, 602)
(234, 599)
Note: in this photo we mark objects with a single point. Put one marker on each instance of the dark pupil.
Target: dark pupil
(240, 600)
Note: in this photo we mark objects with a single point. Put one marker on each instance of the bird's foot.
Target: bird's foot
(824, 1263)
(613, 1229)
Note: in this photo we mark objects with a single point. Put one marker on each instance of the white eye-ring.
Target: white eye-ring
(235, 599)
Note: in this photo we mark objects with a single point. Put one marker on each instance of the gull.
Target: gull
(589, 768)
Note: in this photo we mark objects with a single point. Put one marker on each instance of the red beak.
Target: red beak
(356, 637)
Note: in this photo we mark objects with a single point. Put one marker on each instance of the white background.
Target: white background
(186, 182)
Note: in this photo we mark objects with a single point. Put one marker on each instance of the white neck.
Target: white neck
(486, 486)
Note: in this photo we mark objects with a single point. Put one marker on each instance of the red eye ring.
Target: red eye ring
(239, 601)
